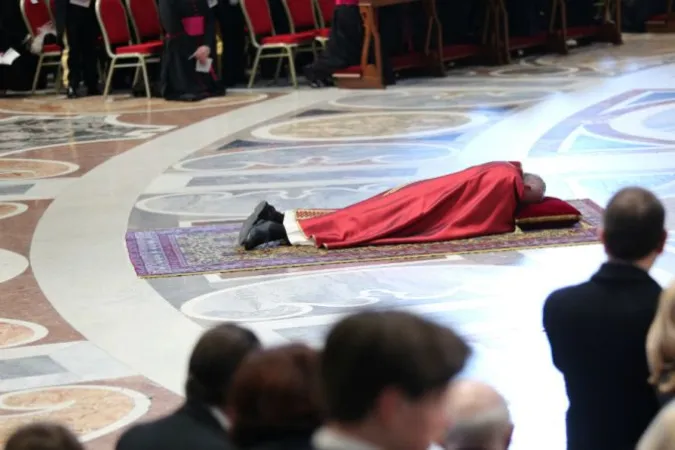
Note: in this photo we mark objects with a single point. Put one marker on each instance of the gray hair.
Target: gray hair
(487, 429)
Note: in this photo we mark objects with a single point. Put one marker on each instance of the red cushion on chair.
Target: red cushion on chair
(36, 14)
(51, 48)
(550, 213)
(294, 38)
(258, 16)
(114, 21)
(146, 48)
(323, 33)
(301, 13)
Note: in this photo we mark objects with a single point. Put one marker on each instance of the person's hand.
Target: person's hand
(202, 53)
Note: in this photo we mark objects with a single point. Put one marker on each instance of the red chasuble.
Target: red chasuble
(478, 201)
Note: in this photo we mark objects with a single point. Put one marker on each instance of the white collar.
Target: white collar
(329, 439)
(221, 418)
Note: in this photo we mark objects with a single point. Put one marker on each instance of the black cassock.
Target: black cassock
(188, 24)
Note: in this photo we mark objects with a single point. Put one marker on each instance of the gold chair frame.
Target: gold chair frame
(142, 59)
(45, 59)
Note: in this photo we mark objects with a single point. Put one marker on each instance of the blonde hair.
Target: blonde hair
(661, 343)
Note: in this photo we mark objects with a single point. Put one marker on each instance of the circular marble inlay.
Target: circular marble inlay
(31, 169)
(318, 155)
(11, 265)
(651, 122)
(89, 411)
(121, 104)
(532, 70)
(8, 209)
(443, 99)
(369, 126)
(14, 333)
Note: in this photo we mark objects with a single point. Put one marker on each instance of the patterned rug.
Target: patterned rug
(211, 249)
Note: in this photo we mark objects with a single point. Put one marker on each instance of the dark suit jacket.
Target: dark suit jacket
(191, 427)
(597, 332)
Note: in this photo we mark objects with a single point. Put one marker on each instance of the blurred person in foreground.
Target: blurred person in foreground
(479, 418)
(661, 346)
(661, 432)
(43, 436)
(386, 378)
(597, 330)
(202, 422)
(275, 399)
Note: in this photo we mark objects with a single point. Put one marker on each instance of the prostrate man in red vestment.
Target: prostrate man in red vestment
(477, 201)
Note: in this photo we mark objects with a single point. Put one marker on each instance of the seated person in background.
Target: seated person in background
(187, 72)
(597, 329)
(477, 201)
(43, 436)
(661, 346)
(275, 399)
(201, 423)
(479, 418)
(345, 43)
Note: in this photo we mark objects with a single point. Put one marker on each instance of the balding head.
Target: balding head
(535, 188)
(479, 418)
(633, 225)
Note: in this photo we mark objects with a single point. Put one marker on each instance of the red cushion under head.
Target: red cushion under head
(550, 213)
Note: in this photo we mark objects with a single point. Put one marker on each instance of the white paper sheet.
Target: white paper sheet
(204, 68)
(7, 58)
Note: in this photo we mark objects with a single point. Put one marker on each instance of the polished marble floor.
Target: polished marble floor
(83, 340)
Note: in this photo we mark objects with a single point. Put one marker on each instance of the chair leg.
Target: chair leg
(254, 69)
(108, 80)
(277, 72)
(137, 72)
(146, 80)
(58, 79)
(291, 66)
(38, 70)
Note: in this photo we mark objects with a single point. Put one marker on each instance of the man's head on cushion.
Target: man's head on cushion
(535, 188)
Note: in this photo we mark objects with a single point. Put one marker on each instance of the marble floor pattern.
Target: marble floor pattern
(84, 341)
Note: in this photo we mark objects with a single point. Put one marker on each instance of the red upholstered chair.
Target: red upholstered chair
(145, 19)
(268, 44)
(302, 17)
(112, 18)
(36, 15)
(324, 10)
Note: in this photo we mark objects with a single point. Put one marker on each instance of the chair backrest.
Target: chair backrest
(300, 14)
(258, 18)
(145, 19)
(35, 15)
(326, 9)
(112, 18)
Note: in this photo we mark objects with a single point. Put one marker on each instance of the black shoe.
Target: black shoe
(264, 232)
(262, 212)
(72, 92)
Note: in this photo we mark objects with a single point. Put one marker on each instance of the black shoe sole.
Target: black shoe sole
(250, 222)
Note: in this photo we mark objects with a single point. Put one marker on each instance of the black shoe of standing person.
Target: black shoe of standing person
(264, 232)
(72, 92)
(262, 212)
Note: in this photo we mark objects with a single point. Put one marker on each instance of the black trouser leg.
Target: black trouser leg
(232, 28)
(82, 32)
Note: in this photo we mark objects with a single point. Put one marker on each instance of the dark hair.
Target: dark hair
(214, 360)
(633, 224)
(43, 436)
(370, 351)
(276, 394)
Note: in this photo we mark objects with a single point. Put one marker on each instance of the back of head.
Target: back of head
(43, 436)
(535, 188)
(214, 360)
(479, 417)
(371, 351)
(276, 393)
(633, 225)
